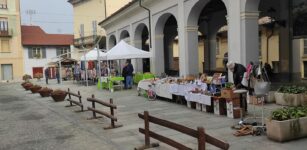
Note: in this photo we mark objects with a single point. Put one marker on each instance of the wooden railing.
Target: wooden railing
(200, 134)
(71, 101)
(109, 115)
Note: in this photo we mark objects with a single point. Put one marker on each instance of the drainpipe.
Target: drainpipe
(149, 18)
(105, 9)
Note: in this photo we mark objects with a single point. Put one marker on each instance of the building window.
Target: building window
(305, 46)
(4, 26)
(64, 52)
(5, 45)
(3, 4)
(81, 30)
(305, 69)
(94, 26)
(217, 46)
(36, 52)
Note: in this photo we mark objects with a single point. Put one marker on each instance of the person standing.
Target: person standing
(47, 74)
(57, 74)
(127, 74)
(238, 71)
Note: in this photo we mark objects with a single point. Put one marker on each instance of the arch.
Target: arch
(197, 9)
(166, 45)
(124, 34)
(112, 41)
(141, 37)
(251, 5)
(140, 28)
(159, 26)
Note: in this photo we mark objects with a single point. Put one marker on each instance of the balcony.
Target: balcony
(85, 41)
(5, 33)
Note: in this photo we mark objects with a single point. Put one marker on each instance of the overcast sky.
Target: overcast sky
(54, 16)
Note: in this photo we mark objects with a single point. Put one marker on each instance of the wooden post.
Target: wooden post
(146, 121)
(69, 97)
(112, 113)
(93, 105)
(201, 138)
(80, 100)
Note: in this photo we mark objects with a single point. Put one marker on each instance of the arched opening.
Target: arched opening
(124, 35)
(211, 19)
(166, 33)
(112, 41)
(141, 40)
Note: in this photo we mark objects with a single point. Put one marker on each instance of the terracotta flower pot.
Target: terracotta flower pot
(45, 92)
(35, 88)
(27, 86)
(58, 95)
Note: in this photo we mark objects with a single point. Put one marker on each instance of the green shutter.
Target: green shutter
(30, 52)
(58, 52)
(44, 52)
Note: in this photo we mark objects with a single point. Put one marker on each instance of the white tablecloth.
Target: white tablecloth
(199, 98)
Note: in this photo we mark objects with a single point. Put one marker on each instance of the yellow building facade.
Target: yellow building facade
(11, 53)
(87, 15)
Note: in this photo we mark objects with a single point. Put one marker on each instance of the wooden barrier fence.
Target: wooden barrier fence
(200, 134)
(109, 115)
(71, 101)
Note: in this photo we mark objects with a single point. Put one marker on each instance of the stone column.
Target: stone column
(157, 61)
(250, 37)
(191, 55)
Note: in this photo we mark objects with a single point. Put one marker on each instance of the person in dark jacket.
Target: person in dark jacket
(57, 74)
(238, 73)
(128, 74)
(47, 74)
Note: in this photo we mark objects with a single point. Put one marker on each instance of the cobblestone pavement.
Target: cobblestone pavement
(29, 122)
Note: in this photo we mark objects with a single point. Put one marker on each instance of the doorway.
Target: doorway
(7, 71)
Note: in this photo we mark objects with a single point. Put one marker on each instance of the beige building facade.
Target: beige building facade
(11, 52)
(87, 14)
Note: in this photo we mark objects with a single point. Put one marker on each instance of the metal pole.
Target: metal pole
(85, 66)
(99, 69)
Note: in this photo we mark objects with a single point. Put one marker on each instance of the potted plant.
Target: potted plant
(24, 83)
(35, 88)
(287, 124)
(291, 95)
(38, 76)
(28, 85)
(26, 77)
(45, 92)
(58, 95)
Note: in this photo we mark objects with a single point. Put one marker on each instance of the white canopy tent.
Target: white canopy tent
(125, 51)
(93, 55)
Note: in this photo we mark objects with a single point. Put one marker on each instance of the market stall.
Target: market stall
(123, 51)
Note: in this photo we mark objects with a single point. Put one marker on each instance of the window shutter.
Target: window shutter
(44, 52)
(30, 53)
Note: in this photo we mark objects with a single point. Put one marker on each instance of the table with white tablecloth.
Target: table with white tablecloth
(198, 98)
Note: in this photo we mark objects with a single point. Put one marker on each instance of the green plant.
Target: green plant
(287, 113)
(292, 89)
(228, 85)
(26, 77)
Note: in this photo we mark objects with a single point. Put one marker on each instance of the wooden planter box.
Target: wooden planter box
(58, 97)
(287, 130)
(45, 93)
(286, 99)
(35, 89)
